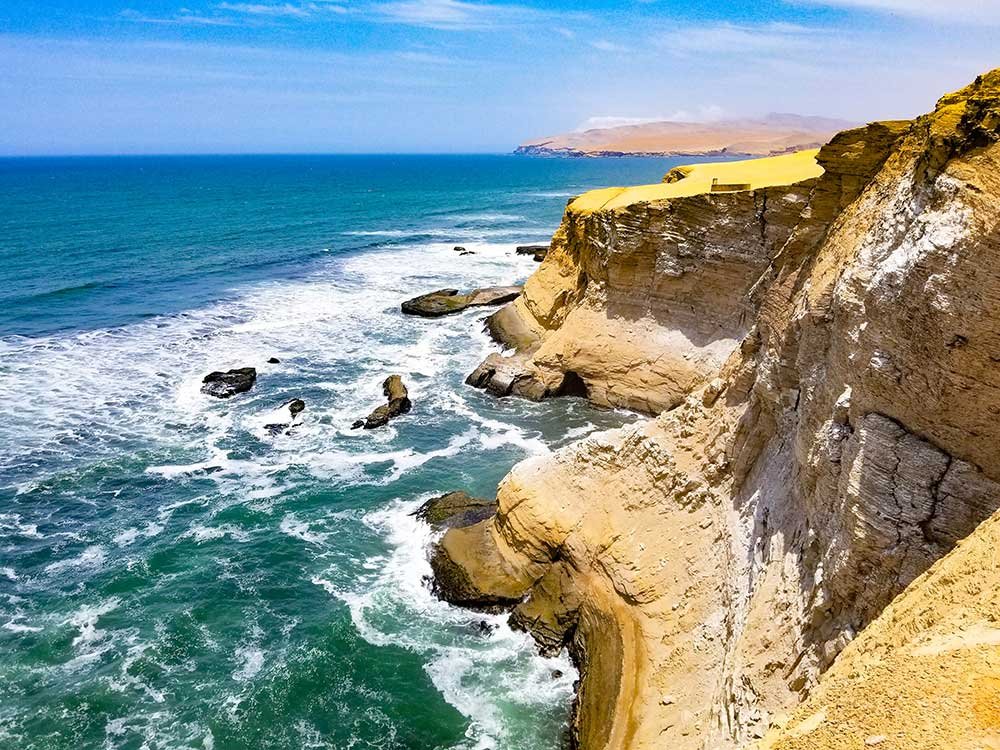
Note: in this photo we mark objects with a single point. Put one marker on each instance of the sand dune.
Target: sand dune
(767, 136)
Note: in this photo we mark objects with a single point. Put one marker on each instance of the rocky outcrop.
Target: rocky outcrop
(455, 509)
(709, 565)
(449, 301)
(924, 675)
(230, 383)
(638, 304)
(398, 402)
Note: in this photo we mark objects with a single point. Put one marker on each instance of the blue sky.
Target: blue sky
(196, 76)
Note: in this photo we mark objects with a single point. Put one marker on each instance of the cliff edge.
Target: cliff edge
(823, 358)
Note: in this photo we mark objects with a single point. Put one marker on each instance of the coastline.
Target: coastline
(706, 566)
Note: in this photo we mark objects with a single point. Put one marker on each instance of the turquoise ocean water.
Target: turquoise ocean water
(174, 576)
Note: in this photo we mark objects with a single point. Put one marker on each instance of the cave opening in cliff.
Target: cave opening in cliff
(573, 385)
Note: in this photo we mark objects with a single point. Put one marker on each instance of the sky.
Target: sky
(428, 76)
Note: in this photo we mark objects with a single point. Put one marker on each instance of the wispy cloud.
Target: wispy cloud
(605, 46)
(459, 15)
(954, 11)
(737, 39)
(183, 17)
(257, 9)
(239, 14)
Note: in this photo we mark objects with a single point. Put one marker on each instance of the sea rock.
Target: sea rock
(295, 407)
(538, 252)
(455, 509)
(229, 383)
(273, 361)
(459, 249)
(398, 403)
(448, 301)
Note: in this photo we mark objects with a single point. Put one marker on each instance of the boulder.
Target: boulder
(398, 403)
(273, 361)
(448, 301)
(296, 406)
(538, 252)
(229, 383)
(456, 509)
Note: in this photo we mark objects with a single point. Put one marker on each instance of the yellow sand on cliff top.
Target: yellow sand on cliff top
(697, 178)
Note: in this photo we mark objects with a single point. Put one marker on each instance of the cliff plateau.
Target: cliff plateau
(823, 357)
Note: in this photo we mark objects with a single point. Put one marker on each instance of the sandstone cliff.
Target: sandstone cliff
(827, 355)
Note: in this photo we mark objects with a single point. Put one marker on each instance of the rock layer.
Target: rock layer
(707, 566)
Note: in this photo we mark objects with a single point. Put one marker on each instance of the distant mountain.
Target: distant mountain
(773, 134)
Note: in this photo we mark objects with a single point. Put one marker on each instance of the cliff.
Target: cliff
(765, 136)
(925, 675)
(645, 291)
(824, 355)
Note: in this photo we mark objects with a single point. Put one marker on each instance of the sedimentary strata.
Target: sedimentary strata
(449, 301)
(707, 566)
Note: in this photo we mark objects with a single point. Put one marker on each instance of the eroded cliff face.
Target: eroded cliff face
(638, 304)
(709, 565)
(925, 675)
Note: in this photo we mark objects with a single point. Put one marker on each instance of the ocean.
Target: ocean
(173, 575)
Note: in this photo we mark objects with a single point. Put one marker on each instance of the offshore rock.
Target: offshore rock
(228, 384)
(537, 252)
(449, 301)
(398, 403)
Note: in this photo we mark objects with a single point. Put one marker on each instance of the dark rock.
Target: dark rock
(274, 361)
(398, 403)
(556, 674)
(486, 628)
(455, 509)
(538, 252)
(448, 301)
(296, 406)
(358, 424)
(459, 249)
(229, 383)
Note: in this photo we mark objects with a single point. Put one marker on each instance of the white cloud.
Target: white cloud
(956, 11)
(451, 15)
(459, 15)
(710, 113)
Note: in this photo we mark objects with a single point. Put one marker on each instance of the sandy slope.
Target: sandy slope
(774, 134)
